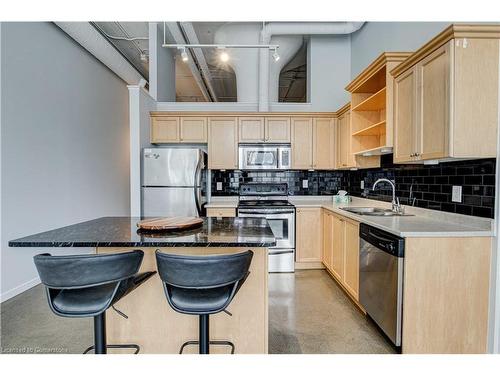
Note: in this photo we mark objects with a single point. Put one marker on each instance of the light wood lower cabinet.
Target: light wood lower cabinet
(337, 247)
(351, 258)
(309, 242)
(341, 251)
(222, 143)
(221, 212)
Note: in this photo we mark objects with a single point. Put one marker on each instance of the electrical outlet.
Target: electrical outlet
(456, 194)
(362, 185)
(219, 185)
(305, 184)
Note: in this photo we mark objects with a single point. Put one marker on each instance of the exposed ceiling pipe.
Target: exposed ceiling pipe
(293, 28)
(178, 36)
(191, 37)
(89, 38)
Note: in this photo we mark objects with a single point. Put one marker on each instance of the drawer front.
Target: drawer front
(221, 212)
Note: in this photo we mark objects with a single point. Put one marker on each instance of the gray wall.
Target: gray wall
(161, 66)
(64, 142)
(377, 37)
(330, 67)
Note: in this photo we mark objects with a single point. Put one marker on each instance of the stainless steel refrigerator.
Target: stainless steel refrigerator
(171, 181)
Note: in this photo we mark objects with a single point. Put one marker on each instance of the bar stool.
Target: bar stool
(81, 286)
(202, 285)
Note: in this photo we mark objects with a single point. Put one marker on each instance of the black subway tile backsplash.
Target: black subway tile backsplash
(430, 185)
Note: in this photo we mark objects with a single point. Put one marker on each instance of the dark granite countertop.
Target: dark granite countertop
(123, 232)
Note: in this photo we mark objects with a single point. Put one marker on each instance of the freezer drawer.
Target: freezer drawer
(165, 201)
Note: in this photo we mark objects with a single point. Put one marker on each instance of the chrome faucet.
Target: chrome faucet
(396, 206)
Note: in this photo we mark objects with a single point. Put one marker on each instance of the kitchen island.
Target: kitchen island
(151, 323)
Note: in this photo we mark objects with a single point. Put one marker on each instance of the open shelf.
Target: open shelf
(375, 129)
(375, 102)
(381, 150)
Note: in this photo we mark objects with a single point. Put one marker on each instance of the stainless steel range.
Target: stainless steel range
(270, 201)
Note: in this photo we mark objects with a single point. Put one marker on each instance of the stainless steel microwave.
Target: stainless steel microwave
(266, 157)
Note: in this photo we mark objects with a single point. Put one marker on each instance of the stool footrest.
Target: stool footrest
(116, 346)
(215, 342)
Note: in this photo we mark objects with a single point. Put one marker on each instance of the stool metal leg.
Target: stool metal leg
(117, 346)
(100, 333)
(216, 342)
(204, 334)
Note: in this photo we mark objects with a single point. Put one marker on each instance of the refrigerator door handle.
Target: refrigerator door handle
(197, 181)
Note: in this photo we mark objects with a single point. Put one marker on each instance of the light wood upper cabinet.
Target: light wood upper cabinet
(323, 143)
(345, 158)
(452, 109)
(277, 130)
(165, 130)
(222, 143)
(405, 116)
(178, 129)
(351, 258)
(313, 143)
(302, 145)
(309, 242)
(433, 103)
(260, 129)
(251, 129)
(193, 130)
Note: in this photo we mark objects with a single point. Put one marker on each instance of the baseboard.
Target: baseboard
(309, 265)
(19, 289)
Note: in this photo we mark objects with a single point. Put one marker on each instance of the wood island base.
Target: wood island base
(158, 329)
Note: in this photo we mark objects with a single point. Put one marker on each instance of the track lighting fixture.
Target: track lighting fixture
(224, 57)
(276, 57)
(184, 55)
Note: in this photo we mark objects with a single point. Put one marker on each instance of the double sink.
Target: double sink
(373, 211)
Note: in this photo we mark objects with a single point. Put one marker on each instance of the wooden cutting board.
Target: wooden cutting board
(170, 223)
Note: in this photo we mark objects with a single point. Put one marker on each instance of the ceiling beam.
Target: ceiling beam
(178, 36)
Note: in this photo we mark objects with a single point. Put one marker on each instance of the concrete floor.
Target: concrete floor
(308, 313)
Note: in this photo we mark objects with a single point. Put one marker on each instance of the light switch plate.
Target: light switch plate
(456, 194)
(362, 185)
(219, 185)
(305, 184)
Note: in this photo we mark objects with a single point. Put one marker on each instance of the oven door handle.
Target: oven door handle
(265, 212)
(280, 252)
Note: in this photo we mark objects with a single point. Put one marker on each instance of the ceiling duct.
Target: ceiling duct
(292, 28)
(245, 61)
(90, 39)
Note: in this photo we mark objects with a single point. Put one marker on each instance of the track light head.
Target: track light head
(184, 55)
(276, 57)
(224, 57)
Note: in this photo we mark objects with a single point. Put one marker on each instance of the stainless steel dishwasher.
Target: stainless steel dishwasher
(381, 257)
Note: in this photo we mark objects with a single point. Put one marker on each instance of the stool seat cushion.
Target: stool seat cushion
(84, 301)
(200, 301)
